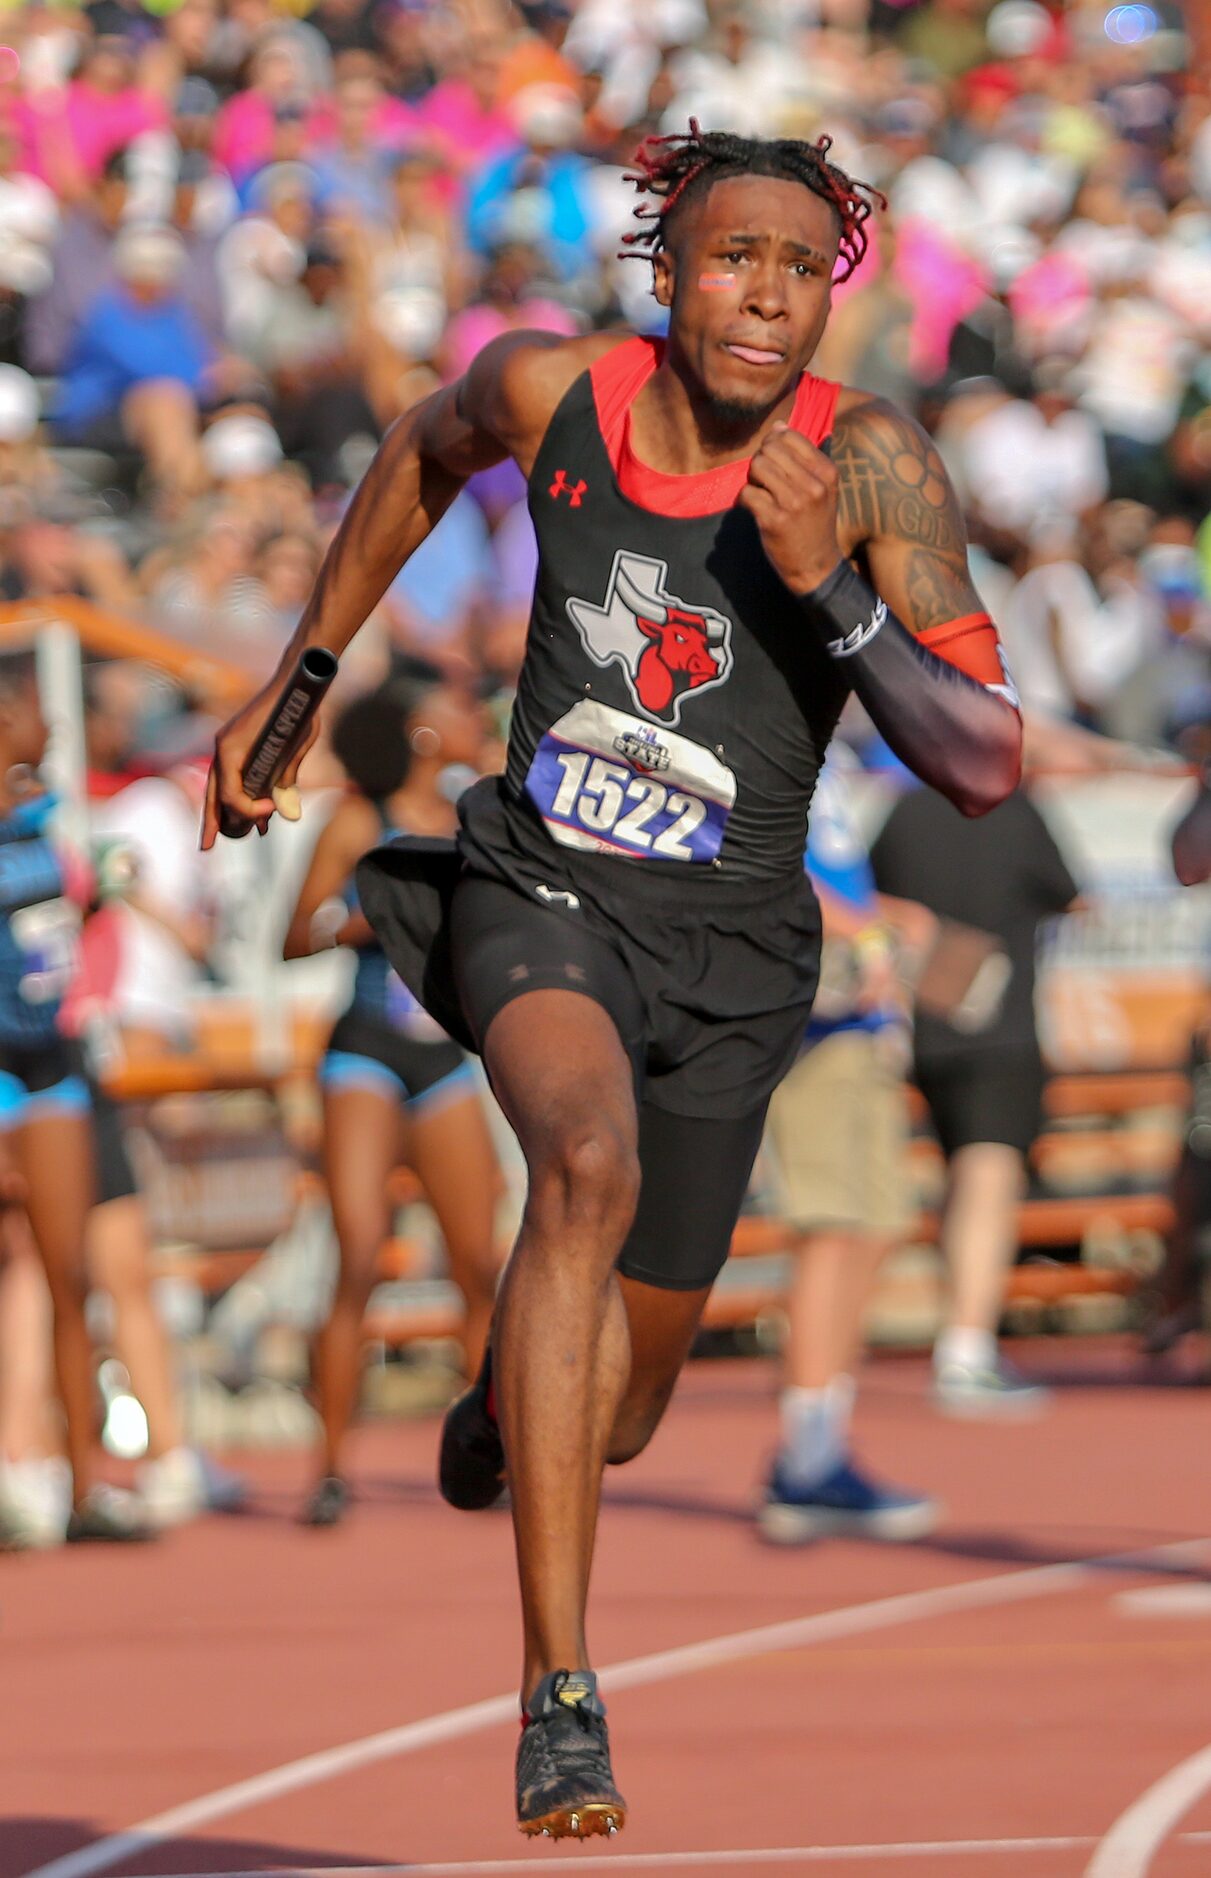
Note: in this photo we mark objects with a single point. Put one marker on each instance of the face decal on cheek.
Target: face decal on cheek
(715, 283)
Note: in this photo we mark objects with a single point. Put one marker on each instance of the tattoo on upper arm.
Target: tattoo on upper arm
(893, 489)
(892, 484)
(939, 589)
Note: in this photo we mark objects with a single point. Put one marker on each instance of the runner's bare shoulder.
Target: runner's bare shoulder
(513, 388)
(868, 421)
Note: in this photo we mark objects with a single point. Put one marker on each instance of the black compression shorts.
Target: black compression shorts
(724, 968)
(984, 1097)
(694, 1169)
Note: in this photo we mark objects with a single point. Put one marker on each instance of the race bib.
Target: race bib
(607, 781)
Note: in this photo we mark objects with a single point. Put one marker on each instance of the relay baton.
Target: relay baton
(286, 730)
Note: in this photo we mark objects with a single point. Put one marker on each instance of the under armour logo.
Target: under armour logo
(562, 487)
(551, 894)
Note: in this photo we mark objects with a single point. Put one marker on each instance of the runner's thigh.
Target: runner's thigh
(505, 946)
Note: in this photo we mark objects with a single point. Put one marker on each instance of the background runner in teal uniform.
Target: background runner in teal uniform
(395, 1087)
(45, 1119)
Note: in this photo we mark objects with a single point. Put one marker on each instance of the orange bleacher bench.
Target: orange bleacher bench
(228, 1055)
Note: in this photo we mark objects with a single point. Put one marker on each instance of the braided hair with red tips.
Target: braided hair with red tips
(670, 168)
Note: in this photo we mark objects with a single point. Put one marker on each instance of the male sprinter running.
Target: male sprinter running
(728, 547)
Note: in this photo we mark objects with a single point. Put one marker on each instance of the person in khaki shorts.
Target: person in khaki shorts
(838, 1126)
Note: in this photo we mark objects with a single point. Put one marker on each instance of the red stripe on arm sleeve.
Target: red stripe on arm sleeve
(971, 645)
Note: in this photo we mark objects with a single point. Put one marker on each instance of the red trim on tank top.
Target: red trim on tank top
(617, 379)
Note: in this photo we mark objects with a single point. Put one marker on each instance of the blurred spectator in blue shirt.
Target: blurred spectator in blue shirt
(83, 256)
(135, 370)
(537, 193)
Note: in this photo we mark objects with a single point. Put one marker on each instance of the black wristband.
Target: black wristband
(845, 611)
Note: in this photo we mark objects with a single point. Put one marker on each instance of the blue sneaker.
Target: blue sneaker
(846, 1505)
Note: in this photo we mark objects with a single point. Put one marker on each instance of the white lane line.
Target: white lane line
(651, 1861)
(1165, 1601)
(1137, 1835)
(452, 1724)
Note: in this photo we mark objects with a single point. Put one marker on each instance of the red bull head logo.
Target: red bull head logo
(667, 650)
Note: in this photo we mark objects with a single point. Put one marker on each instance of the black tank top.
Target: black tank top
(673, 708)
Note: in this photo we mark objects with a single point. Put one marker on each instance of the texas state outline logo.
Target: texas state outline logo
(668, 651)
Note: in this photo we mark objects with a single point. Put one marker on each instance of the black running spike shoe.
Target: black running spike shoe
(565, 1784)
(471, 1458)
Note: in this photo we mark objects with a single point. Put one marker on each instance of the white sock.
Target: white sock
(972, 1349)
(815, 1431)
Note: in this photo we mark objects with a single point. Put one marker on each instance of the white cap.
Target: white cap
(20, 406)
(547, 114)
(25, 266)
(1016, 28)
(411, 319)
(148, 251)
(280, 182)
(240, 445)
(1006, 250)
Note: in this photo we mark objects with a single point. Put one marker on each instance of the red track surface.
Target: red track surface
(135, 1682)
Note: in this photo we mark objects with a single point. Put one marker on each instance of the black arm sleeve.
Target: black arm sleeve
(961, 737)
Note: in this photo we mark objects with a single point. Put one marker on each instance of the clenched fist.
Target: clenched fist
(791, 494)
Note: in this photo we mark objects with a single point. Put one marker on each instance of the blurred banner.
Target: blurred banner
(1123, 983)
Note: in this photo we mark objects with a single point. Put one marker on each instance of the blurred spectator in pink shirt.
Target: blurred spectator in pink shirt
(279, 88)
(1052, 305)
(510, 295)
(944, 285)
(68, 134)
(390, 121)
(463, 115)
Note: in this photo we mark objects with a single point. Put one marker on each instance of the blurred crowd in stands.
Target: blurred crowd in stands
(238, 238)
